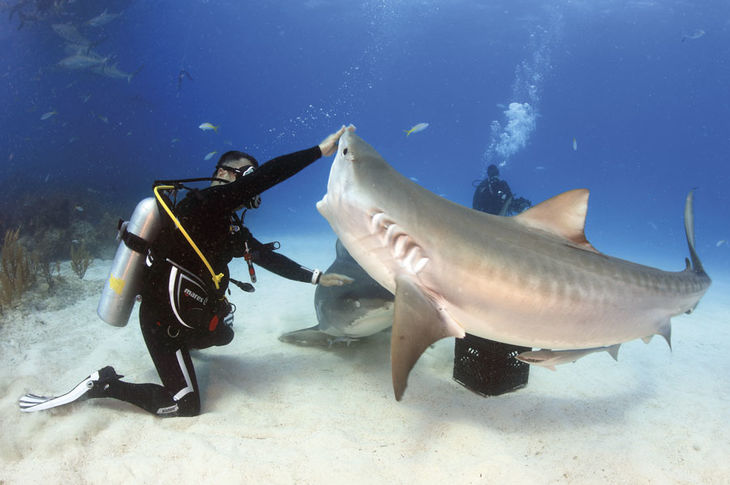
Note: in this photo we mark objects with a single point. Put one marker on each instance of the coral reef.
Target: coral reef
(39, 225)
(45, 270)
(17, 272)
(80, 259)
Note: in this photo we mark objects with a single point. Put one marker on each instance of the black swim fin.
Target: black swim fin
(92, 386)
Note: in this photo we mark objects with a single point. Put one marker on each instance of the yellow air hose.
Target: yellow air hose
(216, 277)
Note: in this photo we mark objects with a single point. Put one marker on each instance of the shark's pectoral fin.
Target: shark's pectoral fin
(418, 322)
(307, 337)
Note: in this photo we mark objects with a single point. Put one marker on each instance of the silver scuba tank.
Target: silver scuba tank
(125, 278)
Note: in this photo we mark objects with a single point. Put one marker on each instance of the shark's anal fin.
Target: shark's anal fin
(418, 322)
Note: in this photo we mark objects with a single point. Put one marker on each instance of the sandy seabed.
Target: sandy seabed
(277, 413)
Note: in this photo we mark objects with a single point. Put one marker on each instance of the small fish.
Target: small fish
(720, 243)
(575, 145)
(174, 140)
(208, 126)
(48, 176)
(87, 98)
(694, 35)
(209, 155)
(417, 128)
(103, 18)
(78, 208)
(103, 118)
(45, 116)
(10, 157)
(551, 358)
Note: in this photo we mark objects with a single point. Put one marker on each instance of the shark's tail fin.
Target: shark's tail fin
(689, 229)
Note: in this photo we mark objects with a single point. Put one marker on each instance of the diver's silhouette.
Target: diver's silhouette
(180, 76)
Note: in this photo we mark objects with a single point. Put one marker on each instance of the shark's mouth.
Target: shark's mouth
(403, 248)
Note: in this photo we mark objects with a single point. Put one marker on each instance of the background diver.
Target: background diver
(481, 365)
(182, 75)
(173, 324)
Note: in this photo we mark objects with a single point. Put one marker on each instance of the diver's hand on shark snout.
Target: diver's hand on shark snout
(329, 144)
(334, 279)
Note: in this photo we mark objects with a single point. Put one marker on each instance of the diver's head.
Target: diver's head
(232, 165)
(492, 171)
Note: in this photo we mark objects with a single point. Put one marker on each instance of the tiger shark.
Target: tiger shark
(532, 280)
(346, 313)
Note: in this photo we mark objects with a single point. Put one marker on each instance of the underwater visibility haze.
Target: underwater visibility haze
(626, 98)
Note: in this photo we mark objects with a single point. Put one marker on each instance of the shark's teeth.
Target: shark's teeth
(399, 248)
(391, 233)
(413, 261)
(420, 265)
(402, 247)
(378, 220)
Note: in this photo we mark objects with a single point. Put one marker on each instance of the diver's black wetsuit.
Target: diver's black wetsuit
(177, 315)
(494, 196)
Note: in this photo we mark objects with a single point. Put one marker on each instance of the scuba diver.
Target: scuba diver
(181, 76)
(481, 365)
(185, 278)
(494, 196)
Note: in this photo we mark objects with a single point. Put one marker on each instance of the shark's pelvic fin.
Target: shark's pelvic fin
(417, 323)
(613, 351)
(564, 216)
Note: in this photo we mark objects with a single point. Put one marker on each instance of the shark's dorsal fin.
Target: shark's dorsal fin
(563, 215)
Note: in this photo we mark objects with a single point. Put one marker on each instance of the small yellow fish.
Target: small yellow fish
(416, 128)
(45, 116)
(208, 126)
(209, 155)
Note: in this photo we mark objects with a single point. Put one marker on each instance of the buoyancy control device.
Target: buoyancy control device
(137, 236)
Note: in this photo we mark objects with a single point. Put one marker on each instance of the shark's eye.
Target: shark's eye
(344, 152)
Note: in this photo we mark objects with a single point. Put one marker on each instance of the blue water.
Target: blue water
(642, 87)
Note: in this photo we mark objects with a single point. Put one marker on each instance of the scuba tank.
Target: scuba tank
(125, 278)
(137, 235)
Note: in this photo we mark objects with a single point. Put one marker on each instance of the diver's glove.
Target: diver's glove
(334, 279)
